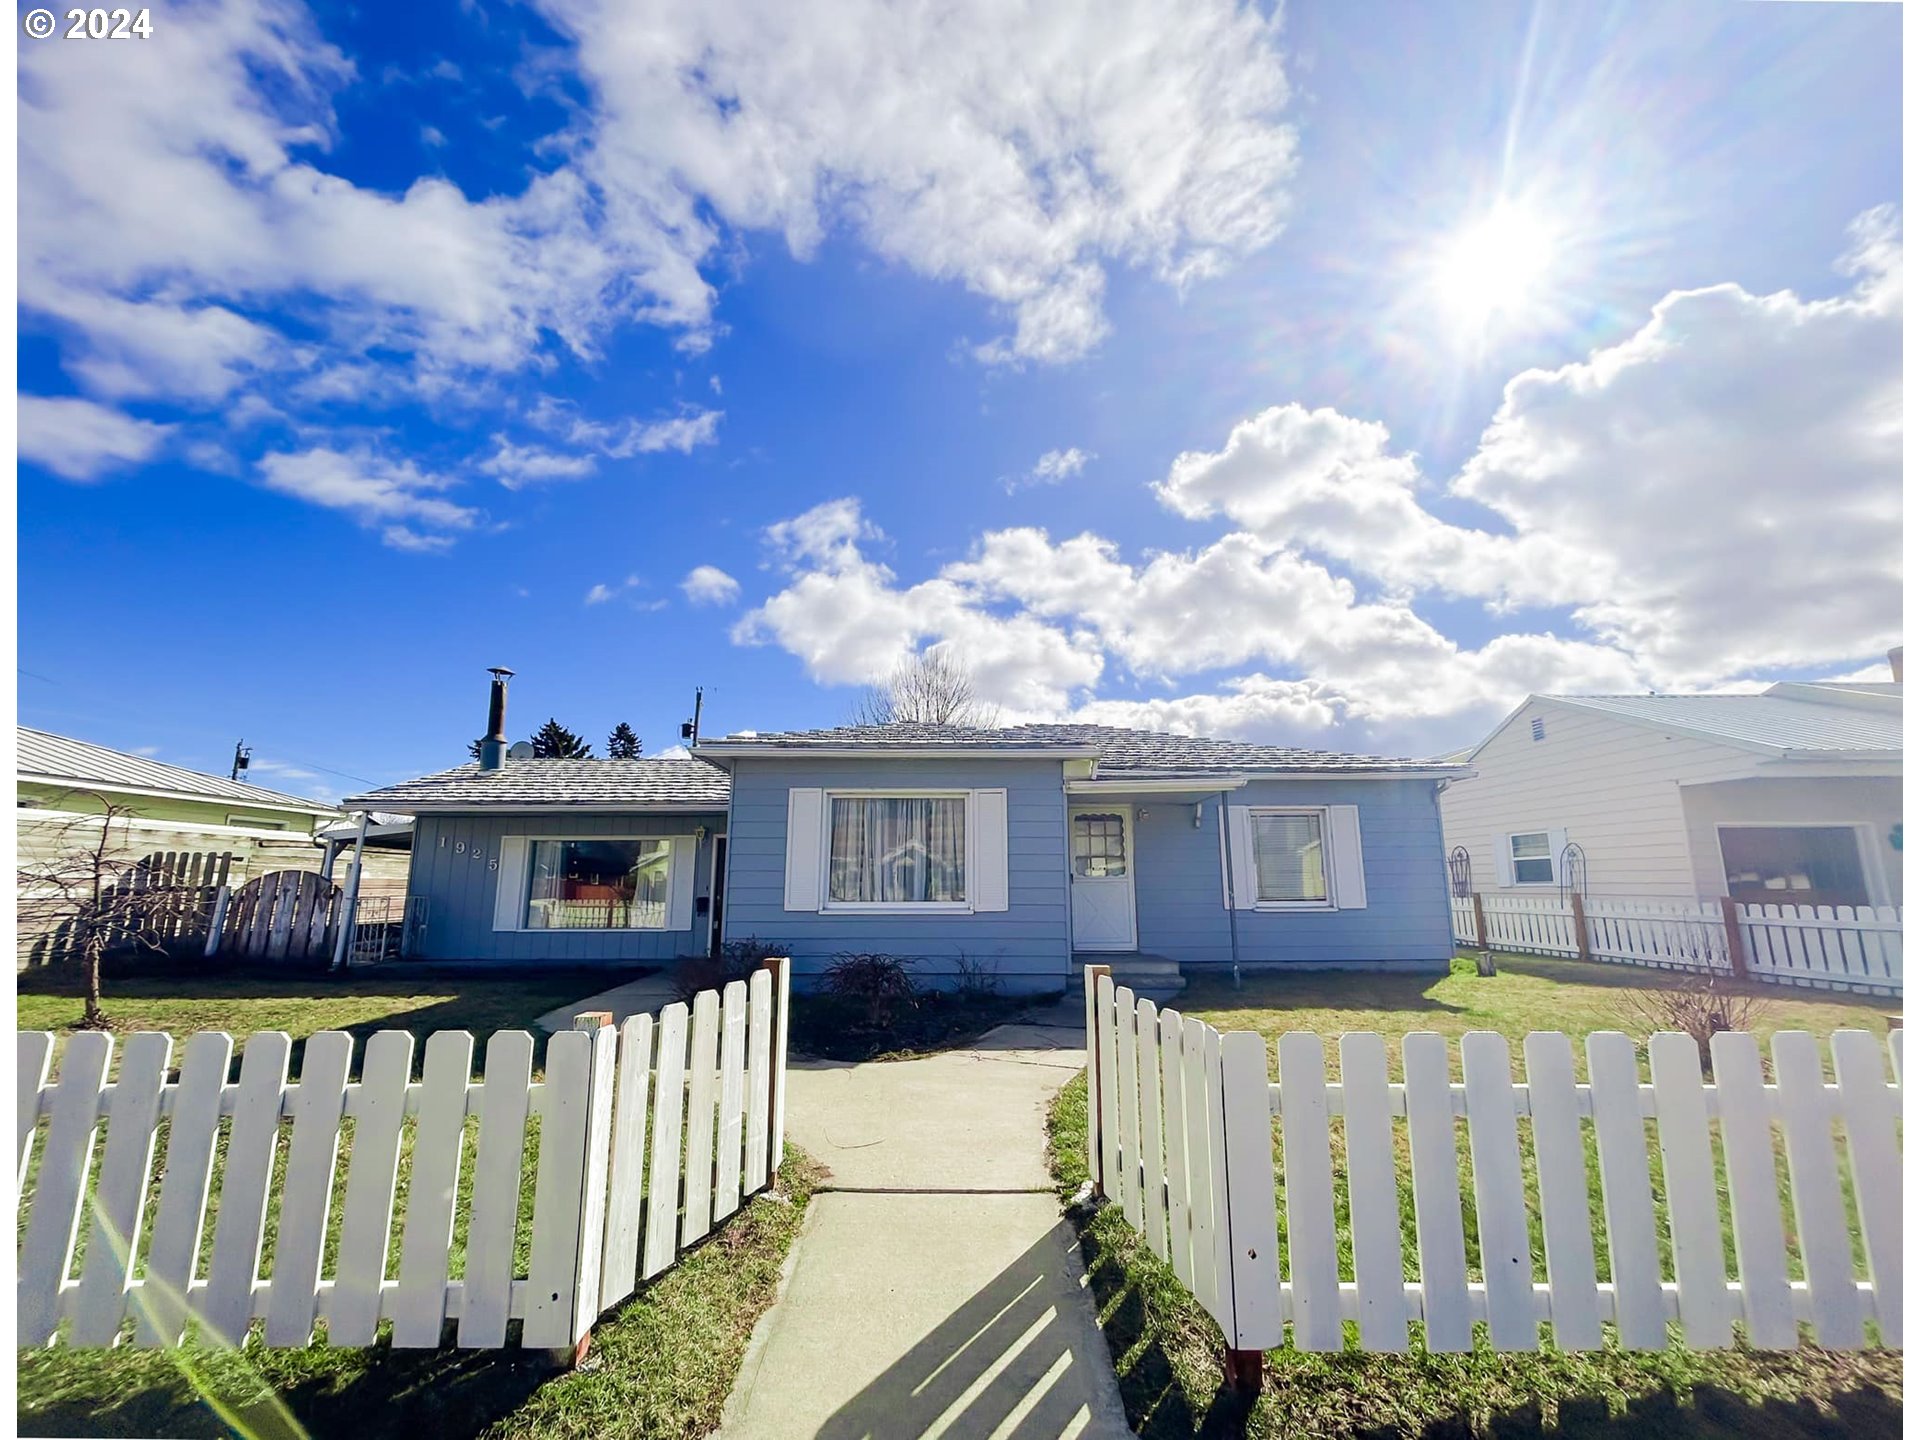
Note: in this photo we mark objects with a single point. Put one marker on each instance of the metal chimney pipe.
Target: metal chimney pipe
(1894, 658)
(493, 745)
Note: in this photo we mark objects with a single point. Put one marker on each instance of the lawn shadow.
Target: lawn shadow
(1711, 1413)
(1281, 989)
(396, 1393)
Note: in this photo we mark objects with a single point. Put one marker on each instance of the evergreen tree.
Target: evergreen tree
(553, 741)
(623, 744)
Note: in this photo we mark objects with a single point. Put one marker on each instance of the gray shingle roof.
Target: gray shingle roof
(1767, 722)
(62, 760)
(1120, 751)
(561, 784)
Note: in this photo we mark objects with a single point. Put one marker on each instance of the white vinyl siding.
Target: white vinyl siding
(810, 859)
(1611, 785)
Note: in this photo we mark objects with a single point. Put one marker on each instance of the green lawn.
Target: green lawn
(1167, 1350)
(662, 1365)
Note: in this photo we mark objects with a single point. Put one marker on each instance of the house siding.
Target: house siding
(1611, 784)
(455, 867)
(1026, 945)
(1406, 921)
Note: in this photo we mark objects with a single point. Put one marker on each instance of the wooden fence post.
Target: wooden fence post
(1479, 923)
(1250, 1213)
(218, 922)
(1096, 1159)
(1580, 924)
(1736, 939)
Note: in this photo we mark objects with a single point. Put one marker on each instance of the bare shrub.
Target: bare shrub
(1700, 1003)
(882, 983)
(736, 960)
(975, 980)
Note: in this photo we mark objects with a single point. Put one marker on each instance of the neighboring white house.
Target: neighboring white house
(1789, 797)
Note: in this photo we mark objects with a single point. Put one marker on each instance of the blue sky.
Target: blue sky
(1392, 362)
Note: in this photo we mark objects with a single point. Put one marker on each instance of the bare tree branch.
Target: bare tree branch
(934, 688)
(89, 898)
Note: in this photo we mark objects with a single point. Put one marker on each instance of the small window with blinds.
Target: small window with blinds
(1290, 857)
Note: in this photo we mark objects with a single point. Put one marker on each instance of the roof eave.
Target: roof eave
(289, 803)
(464, 807)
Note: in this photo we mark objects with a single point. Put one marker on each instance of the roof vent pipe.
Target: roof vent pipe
(493, 745)
(1893, 659)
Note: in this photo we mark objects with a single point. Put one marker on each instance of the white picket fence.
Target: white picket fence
(1181, 1122)
(1840, 947)
(647, 1137)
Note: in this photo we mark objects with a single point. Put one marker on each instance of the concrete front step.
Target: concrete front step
(1151, 977)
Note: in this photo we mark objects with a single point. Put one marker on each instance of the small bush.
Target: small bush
(881, 983)
(975, 980)
(1701, 1004)
(737, 960)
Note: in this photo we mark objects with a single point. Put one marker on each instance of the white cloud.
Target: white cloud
(1715, 496)
(372, 488)
(600, 594)
(629, 437)
(1051, 468)
(80, 440)
(710, 585)
(516, 466)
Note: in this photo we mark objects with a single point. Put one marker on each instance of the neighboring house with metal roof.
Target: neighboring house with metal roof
(1022, 850)
(58, 773)
(1787, 796)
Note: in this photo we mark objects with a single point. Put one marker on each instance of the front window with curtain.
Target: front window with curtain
(897, 850)
(1289, 858)
(598, 884)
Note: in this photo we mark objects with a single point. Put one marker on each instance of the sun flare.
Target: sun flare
(1493, 267)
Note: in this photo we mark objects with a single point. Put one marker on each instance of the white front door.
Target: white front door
(1100, 850)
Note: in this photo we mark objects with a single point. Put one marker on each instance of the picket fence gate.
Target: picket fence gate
(1838, 947)
(1181, 1123)
(648, 1136)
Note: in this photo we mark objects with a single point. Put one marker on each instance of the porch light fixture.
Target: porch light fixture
(1198, 806)
(699, 834)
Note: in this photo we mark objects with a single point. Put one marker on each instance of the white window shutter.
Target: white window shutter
(1556, 842)
(510, 893)
(680, 868)
(1246, 877)
(987, 883)
(1503, 860)
(806, 866)
(1349, 866)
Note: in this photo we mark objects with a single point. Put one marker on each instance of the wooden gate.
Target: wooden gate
(285, 915)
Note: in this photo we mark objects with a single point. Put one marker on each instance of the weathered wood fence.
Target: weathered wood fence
(1181, 1134)
(179, 895)
(643, 1138)
(1838, 947)
(284, 916)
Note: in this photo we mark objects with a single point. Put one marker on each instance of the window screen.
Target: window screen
(1532, 858)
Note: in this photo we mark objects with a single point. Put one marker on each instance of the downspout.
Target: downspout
(1233, 910)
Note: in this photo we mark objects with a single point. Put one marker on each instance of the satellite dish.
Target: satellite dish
(521, 750)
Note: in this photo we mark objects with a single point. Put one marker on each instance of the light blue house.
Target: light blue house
(1027, 850)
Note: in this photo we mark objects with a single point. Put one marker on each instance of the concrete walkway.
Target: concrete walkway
(644, 996)
(934, 1289)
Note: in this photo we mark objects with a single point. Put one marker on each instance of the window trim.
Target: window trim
(526, 884)
(1513, 860)
(1294, 907)
(830, 906)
